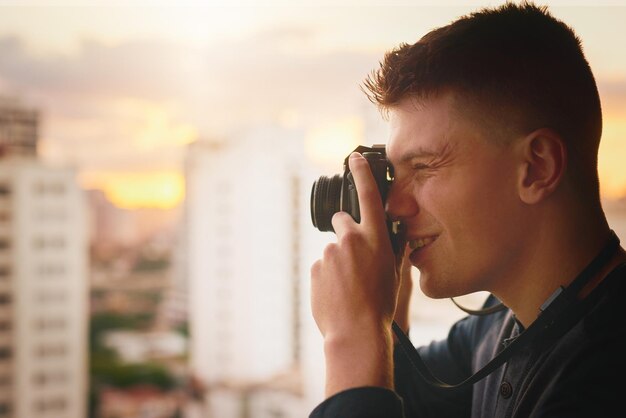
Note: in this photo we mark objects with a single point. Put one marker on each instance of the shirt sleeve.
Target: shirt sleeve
(363, 402)
(449, 360)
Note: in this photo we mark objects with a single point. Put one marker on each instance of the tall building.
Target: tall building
(43, 289)
(247, 224)
(19, 128)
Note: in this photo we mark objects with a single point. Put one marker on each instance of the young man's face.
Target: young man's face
(456, 193)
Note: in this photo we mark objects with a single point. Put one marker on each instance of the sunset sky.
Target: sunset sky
(124, 86)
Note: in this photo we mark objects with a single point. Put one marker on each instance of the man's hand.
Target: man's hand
(353, 292)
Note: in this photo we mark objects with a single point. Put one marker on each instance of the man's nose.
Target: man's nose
(401, 202)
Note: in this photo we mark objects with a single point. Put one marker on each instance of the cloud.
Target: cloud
(233, 84)
(148, 69)
(259, 77)
(613, 89)
(102, 102)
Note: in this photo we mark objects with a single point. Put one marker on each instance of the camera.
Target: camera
(330, 195)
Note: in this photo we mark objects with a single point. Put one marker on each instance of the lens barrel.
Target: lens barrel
(325, 201)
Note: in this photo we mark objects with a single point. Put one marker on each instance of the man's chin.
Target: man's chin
(435, 288)
(432, 289)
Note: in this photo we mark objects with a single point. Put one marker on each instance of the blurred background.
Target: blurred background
(156, 160)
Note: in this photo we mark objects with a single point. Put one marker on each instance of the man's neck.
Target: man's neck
(556, 260)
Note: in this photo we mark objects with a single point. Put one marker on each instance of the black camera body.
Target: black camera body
(330, 195)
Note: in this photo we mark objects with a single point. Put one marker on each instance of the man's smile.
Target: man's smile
(418, 243)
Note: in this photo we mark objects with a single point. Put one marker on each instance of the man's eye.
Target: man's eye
(420, 166)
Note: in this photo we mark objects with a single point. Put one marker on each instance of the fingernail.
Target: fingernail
(355, 155)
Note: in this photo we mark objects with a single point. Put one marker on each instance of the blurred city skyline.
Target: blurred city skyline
(175, 302)
(124, 88)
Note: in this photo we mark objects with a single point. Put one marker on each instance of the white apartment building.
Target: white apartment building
(248, 231)
(43, 292)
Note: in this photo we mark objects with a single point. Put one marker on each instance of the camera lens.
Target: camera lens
(325, 201)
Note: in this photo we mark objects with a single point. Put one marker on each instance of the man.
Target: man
(495, 123)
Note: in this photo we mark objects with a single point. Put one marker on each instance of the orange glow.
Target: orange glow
(329, 144)
(611, 167)
(152, 125)
(162, 189)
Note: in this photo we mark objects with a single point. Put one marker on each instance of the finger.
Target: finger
(316, 269)
(341, 221)
(370, 202)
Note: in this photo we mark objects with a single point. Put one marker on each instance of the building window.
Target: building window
(51, 404)
(5, 271)
(49, 378)
(51, 270)
(5, 409)
(39, 243)
(51, 350)
(274, 412)
(42, 187)
(5, 299)
(5, 325)
(51, 323)
(5, 243)
(42, 243)
(56, 188)
(50, 214)
(5, 352)
(51, 296)
(5, 190)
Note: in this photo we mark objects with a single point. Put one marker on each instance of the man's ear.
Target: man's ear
(543, 164)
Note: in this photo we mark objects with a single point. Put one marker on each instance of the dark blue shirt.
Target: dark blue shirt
(581, 374)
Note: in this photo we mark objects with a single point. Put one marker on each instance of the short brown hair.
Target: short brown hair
(516, 64)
